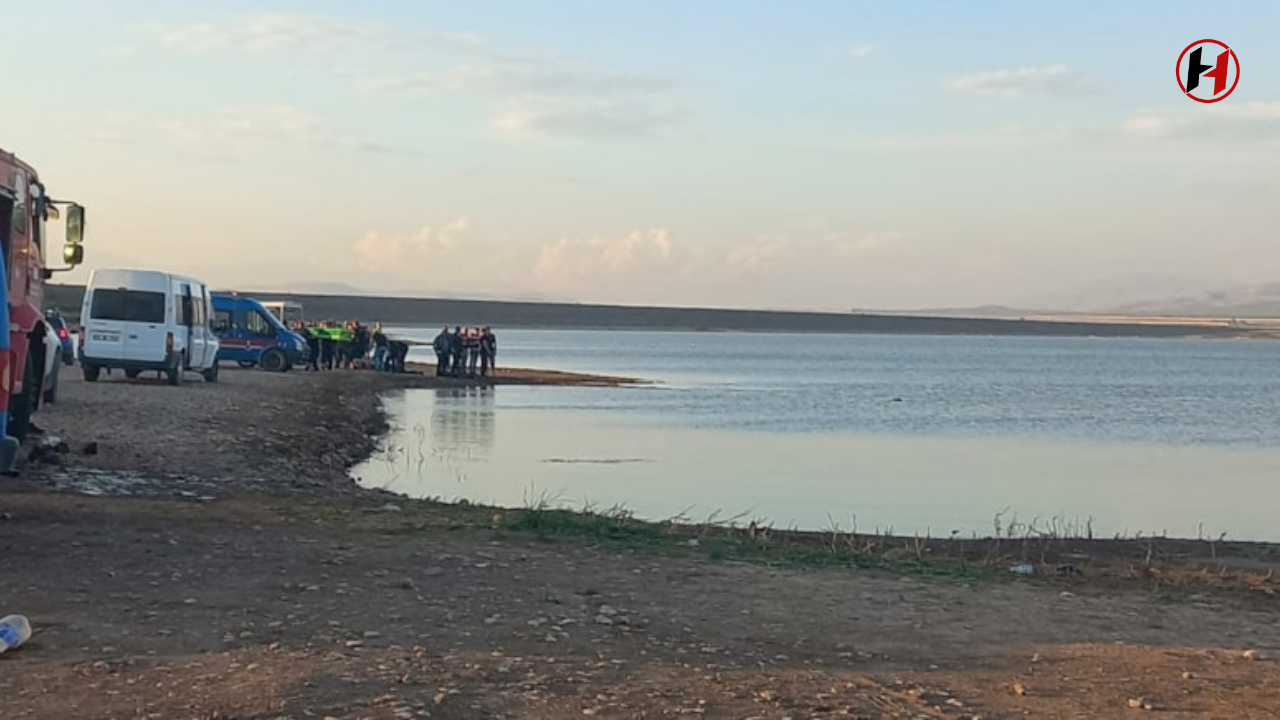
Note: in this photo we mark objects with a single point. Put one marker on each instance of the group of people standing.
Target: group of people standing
(465, 352)
(348, 345)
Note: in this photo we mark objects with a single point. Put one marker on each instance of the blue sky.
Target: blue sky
(805, 155)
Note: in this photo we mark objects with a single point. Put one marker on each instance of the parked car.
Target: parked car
(140, 320)
(54, 320)
(250, 334)
(53, 362)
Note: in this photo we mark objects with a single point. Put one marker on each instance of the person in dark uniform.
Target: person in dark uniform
(360, 345)
(327, 344)
(397, 352)
(488, 352)
(379, 348)
(441, 345)
(457, 352)
(313, 343)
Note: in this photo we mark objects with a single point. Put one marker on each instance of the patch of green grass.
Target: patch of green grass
(615, 526)
(721, 542)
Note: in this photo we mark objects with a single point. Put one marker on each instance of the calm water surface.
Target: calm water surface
(914, 434)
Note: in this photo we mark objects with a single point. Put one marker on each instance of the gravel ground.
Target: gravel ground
(224, 566)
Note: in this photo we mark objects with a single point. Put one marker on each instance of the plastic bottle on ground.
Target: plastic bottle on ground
(14, 630)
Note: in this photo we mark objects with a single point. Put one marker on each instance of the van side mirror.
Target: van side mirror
(73, 254)
(75, 225)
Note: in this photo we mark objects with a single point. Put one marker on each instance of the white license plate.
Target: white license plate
(105, 337)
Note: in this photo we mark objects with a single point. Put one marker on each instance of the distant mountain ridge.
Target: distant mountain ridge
(347, 290)
(1139, 296)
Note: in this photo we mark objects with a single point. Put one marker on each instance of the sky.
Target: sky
(822, 155)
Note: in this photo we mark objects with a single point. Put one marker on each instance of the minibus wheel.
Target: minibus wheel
(274, 361)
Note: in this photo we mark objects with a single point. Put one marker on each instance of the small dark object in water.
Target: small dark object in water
(90, 448)
(897, 399)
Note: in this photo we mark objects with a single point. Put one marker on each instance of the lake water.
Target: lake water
(910, 434)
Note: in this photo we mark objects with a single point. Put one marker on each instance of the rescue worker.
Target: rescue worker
(398, 351)
(457, 352)
(441, 345)
(359, 345)
(488, 352)
(304, 330)
(327, 344)
(379, 348)
(473, 350)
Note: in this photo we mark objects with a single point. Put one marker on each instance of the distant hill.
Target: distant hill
(348, 290)
(1244, 301)
(435, 312)
(1148, 297)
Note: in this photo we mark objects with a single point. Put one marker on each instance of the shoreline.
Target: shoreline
(1222, 562)
(230, 566)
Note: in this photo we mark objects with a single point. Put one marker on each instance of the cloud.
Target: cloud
(542, 77)
(863, 244)
(276, 31)
(1046, 81)
(394, 254)
(755, 254)
(860, 51)
(1231, 122)
(642, 265)
(583, 118)
(275, 125)
(814, 243)
(119, 51)
(551, 98)
(530, 95)
(602, 261)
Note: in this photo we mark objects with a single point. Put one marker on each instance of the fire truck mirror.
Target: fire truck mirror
(73, 253)
(75, 225)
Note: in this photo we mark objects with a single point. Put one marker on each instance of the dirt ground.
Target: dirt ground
(224, 567)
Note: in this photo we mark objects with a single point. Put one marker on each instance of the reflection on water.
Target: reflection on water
(458, 432)
(447, 448)
(462, 417)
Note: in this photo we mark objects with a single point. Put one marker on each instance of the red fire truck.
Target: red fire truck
(25, 207)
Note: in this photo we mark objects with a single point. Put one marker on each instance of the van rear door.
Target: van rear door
(127, 324)
(104, 334)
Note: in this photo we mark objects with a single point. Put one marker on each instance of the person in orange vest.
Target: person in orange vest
(473, 350)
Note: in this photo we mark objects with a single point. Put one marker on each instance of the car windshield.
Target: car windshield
(127, 306)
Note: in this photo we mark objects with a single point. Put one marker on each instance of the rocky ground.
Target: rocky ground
(222, 566)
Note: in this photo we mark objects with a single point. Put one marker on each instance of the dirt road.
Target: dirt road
(247, 578)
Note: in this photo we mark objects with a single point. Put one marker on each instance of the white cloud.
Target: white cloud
(413, 252)
(582, 118)
(860, 51)
(755, 254)
(237, 127)
(864, 244)
(544, 77)
(531, 95)
(275, 31)
(1238, 122)
(600, 261)
(811, 243)
(1046, 81)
